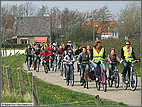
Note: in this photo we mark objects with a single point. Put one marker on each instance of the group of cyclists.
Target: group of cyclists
(87, 57)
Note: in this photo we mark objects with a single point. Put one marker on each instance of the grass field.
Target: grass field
(14, 62)
(48, 94)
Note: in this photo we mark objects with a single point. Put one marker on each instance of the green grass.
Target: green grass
(15, 62)
(50, 94)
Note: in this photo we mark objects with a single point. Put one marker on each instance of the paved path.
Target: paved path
(132, 98)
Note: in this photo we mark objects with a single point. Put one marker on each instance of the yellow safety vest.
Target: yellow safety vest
(130, 58)
(97, 55)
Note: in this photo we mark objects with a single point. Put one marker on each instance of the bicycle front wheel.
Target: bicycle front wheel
(116, 79)
(104, 81)
(133, 81)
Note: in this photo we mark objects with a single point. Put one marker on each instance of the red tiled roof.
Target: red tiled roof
(110, 23)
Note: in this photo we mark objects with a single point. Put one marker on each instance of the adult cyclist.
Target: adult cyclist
(98, 52)
(127, 55)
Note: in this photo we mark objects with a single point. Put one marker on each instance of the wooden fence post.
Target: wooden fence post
(98, 100)
(9, 78)
(21, 83)
(2, 81)
(33, 89)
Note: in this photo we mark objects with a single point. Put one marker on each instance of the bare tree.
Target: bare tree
(128, 23)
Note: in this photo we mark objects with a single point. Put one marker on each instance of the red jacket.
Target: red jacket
(45, 56)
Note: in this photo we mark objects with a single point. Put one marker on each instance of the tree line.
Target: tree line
(72, 23)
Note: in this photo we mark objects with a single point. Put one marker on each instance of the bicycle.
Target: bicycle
(86, 78)
(115, 76)
(71, 75)
(102, 78)
(131, 79)
(46, 65)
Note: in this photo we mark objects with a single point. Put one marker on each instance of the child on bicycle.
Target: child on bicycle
(46, 57)
(37, 52)
(84, 62)
(111, 59)
(69, 58)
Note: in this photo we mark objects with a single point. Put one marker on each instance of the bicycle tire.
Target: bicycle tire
(87, 81)
(132, 80)
(110, 82)
(104, 83)
(67, 81)
(98, 85)
(72, 82)
(124, 85)
(116, 79)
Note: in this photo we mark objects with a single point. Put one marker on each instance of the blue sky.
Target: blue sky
(114, 6)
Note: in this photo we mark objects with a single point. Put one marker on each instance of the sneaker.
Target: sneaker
(64, 78)
(81, 84)
(97, 79)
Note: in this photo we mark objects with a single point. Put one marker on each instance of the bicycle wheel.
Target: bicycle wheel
(104, 81)
(116, 79)
(98, 84)
(45, 68)
(67, 81)
(86, 81)
(124, 85)
(133, 81)
(72, 80)
(110, 82)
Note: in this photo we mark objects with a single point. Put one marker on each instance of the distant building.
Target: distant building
(108, 32)
(31, 29)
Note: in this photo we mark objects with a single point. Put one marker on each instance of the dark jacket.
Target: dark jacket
(78, 51)
(84, 58)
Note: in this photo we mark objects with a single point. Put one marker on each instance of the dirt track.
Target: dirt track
(132, 98)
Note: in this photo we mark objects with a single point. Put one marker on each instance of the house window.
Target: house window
(23, 41)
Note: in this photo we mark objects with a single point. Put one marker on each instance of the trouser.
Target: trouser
(52, 60)
(60, 58)
(30, 59)
(126, 66)
(67, 69)
(110, 69)
(95, 65)
(82, 72)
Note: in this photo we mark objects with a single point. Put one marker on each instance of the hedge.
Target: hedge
(20, 46)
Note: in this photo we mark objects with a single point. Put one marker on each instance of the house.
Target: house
(32, 29)
(108, 31)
